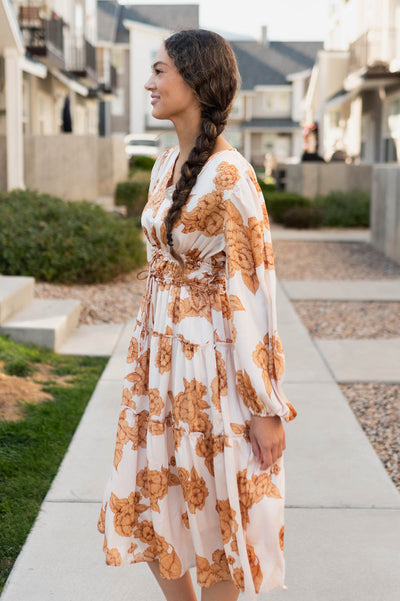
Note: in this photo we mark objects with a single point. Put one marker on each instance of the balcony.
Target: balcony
(42, 37)
(376, 48)
(82, 60)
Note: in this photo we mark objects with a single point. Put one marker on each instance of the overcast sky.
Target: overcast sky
(285, 19)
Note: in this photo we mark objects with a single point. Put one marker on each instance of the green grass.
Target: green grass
(31, 449)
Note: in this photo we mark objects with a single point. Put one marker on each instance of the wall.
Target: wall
(311, 178)
(74, 167)
(385, 210)
(3, 164)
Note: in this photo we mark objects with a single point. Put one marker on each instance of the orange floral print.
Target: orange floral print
(209, 447)
(102, 520)
(140, 377)
(254, 567)
(113, 557)
(227, 177)
(238, 578)
(239, 254)
(164, 354)
(194, 488)
(242, 429)
(126, 512)
(252, 490)
(229, 525)
(188, 407)
(156, 403)
(188, 425)
(154, 484)
(144, 532)
(207, 216)
(132, 351)
(254, 180)
(209, 574)
(281, 537)
(268, 355)
(247, 392)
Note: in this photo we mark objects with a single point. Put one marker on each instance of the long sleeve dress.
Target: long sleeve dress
(205, 355)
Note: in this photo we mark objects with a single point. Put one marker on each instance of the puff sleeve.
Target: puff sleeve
(251, 288)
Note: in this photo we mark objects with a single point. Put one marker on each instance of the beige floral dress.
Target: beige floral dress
(185, 488)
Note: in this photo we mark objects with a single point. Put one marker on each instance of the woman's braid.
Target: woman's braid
(207, 63)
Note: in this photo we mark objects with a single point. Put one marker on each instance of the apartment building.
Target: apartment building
(354, 91)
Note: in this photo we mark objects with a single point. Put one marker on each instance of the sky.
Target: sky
(285, 19)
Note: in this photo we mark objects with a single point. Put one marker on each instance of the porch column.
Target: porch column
(247, 145)
(14, 108)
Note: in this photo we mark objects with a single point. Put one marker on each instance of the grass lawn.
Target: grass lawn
(42, 398)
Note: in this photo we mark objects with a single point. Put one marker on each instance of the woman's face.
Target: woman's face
(171, 96)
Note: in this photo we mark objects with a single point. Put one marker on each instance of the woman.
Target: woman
(198, 466)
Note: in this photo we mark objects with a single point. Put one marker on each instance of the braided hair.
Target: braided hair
(207, 64)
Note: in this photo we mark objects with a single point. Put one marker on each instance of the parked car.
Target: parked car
(147, 145)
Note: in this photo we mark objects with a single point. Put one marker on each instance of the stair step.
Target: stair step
(44, 322)
(16, 292)
(98, 340)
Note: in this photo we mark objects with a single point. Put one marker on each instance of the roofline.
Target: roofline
(146, 27)
(14, 27)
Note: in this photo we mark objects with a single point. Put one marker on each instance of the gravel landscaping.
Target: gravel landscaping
(341, 319)
(300, 260)
(115, 302)
(377, 408)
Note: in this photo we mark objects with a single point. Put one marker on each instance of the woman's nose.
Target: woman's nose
(149, 83)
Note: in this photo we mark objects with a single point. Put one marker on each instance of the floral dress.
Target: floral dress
(185, 488)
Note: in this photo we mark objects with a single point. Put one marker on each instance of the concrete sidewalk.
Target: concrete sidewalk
(343, 511)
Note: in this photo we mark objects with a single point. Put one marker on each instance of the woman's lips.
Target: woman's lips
(154, 99)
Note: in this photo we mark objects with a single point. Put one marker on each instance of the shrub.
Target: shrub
(303, 217)
(133, 195)
(280, 202)
(266, 188)
(60, 241)
(345, 209)
(142, 162)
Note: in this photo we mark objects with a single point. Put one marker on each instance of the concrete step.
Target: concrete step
(16, 292)
(44, 322)
(93, 340)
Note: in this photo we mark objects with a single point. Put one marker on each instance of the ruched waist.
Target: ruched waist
(194, 271)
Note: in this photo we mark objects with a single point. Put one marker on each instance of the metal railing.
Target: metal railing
(41, 35)
(374, 47)
(81, 58)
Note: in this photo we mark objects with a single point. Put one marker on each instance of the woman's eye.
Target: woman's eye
(157, 71)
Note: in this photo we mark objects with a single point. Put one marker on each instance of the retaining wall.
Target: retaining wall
(385, 210)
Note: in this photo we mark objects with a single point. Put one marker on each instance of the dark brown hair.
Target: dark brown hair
(207, 64)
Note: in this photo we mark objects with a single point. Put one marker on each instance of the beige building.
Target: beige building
(354, 91)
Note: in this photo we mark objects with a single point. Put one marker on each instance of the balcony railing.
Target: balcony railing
(82, 58)
(42, 37)
(374, 47)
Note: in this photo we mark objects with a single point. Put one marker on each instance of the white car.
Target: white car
(147, 145)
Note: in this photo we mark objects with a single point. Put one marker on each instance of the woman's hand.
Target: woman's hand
(267, 436)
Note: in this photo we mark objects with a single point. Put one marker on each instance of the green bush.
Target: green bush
(280, 202)
(133, 195)
(142, 162)
(345, 209)
(60, 241)
(266, 188)
(303, 217)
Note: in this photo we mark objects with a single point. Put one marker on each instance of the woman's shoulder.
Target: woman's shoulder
(228, 166)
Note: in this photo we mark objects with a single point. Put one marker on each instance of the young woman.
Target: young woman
(198, 468)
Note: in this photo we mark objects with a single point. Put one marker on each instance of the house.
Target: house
(130, 36)
(50, 85)
(267, 115)
(354, 91)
